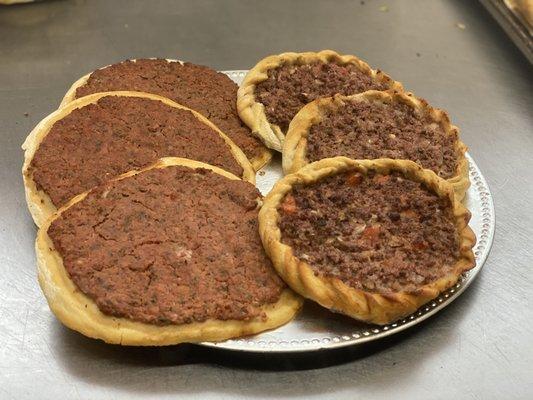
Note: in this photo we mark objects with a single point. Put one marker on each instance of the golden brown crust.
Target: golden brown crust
(257, 162)
(39, 203)
(333, 293)
(295, 146)
(253, 113)
(79, 312)
(71, 92)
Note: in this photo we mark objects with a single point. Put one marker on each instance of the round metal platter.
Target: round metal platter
(316, 328)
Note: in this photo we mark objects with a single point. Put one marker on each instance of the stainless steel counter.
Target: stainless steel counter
(479, 347)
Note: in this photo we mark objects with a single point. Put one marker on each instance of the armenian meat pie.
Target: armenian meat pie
(372, 239)
(164, 255)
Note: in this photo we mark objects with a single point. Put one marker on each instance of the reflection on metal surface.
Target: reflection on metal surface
(316, 328)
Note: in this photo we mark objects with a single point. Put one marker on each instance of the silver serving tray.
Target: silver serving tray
(316, 328)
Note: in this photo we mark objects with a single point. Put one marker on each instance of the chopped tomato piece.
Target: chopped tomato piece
(381, 179)
(420, 245)
(289, 204)
(371, 235)
(403, 199)
(354, 179)
(410, 213)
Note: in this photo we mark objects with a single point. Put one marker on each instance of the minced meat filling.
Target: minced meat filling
(203, 89)
(118, 134)
(169, 246)
(290, 87)
(366, 130)
(379, 233)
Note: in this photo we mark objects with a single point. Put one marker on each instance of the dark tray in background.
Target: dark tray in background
(512, 25)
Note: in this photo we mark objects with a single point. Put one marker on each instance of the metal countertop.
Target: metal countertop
(479, 347)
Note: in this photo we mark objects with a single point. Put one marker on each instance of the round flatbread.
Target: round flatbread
(103, 135)
(164, 255)
(372, 239)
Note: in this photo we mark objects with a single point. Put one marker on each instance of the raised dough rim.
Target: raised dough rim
(334, 294)
(252, 112)
(294, 148)
(78, 312)
(257, 162)
(39, 203)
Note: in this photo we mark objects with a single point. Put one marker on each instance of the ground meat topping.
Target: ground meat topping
(118, 134)
(169, 246)
(367, 130)
(290, 87)
(203, 89)
(379, 233)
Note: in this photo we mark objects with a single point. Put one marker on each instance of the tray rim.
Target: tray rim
(481, 251)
